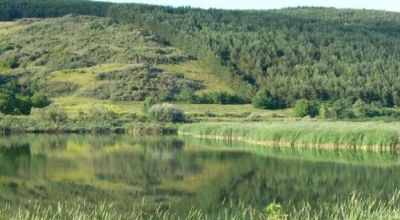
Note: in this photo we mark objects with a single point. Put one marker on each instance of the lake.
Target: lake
(183, 173)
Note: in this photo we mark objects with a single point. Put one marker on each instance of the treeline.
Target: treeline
(14, 9)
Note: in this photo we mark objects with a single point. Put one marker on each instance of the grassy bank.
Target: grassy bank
(29, 124)
(369, 136)
(353, 208)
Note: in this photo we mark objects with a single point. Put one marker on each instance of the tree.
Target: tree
(305, 107)
(8, 103)
(264, 100)
(24, 105)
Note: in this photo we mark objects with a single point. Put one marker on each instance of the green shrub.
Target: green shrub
(9, 63)
(24, 105)
(305, 107)
(149, 102)
(264, 100)
(187, 96)
(39, 100)
(8, 102)
(50, 114)
(53, 89)
(325, 112)
(138, 82)
(342, 108)
(166, 113)
(220, 97)
(99, 114)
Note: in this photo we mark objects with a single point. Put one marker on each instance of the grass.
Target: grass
(74, 104)
(195, 71)
(83, 77)
(369, 136)
(10, 27)
(354, 207)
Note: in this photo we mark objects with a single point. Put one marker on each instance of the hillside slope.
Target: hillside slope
(321, 54)
(311, 53)
(82, 61)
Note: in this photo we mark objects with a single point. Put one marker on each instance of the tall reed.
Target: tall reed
(371, 136)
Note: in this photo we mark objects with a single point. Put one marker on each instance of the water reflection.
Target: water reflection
(186, 173)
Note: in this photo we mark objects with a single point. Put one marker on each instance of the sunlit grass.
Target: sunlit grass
(75, 104)
(84, 76)
(195, 71)
(354, 208)
(371, 136)
(10, 27)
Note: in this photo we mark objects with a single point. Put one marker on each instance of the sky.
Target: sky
(388, 5)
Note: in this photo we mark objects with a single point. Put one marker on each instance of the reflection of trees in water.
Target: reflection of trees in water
(235, 176)
(228, 170)
(297, 181)
(158, 161)
(16, 161)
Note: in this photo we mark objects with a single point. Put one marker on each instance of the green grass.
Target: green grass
(83, 77)
(10, 27)
(371, 136)
(195, 71)
(353, 208)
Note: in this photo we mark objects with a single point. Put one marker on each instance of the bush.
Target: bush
(342, 108)
(8, 103)
(50, 114)
(220, 97)
(149, 102)
(254, 117)
(24, 105)
(325, 112)
(98, 113)
(39, 100)
(362, 109)
(264, 100)
(187, 96)
(166, 113)
(305, 107)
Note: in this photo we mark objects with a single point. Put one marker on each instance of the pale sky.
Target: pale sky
(389, 5)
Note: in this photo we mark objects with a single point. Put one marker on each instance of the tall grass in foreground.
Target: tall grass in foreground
(353, 208)
(371, 136)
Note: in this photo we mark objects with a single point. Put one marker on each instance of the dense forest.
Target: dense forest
(310, 53)
(14, 9)
(290, 54)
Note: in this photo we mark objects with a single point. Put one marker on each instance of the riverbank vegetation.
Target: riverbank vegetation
(352, 209)
(369, 136)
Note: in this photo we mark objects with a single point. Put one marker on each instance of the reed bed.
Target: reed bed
(354, 207)
(369, 136)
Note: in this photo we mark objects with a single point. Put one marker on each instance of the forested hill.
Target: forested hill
(311, 53)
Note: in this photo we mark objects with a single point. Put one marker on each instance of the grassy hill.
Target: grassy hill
(83, 63)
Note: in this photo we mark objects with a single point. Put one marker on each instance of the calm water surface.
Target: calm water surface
(183, 173)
